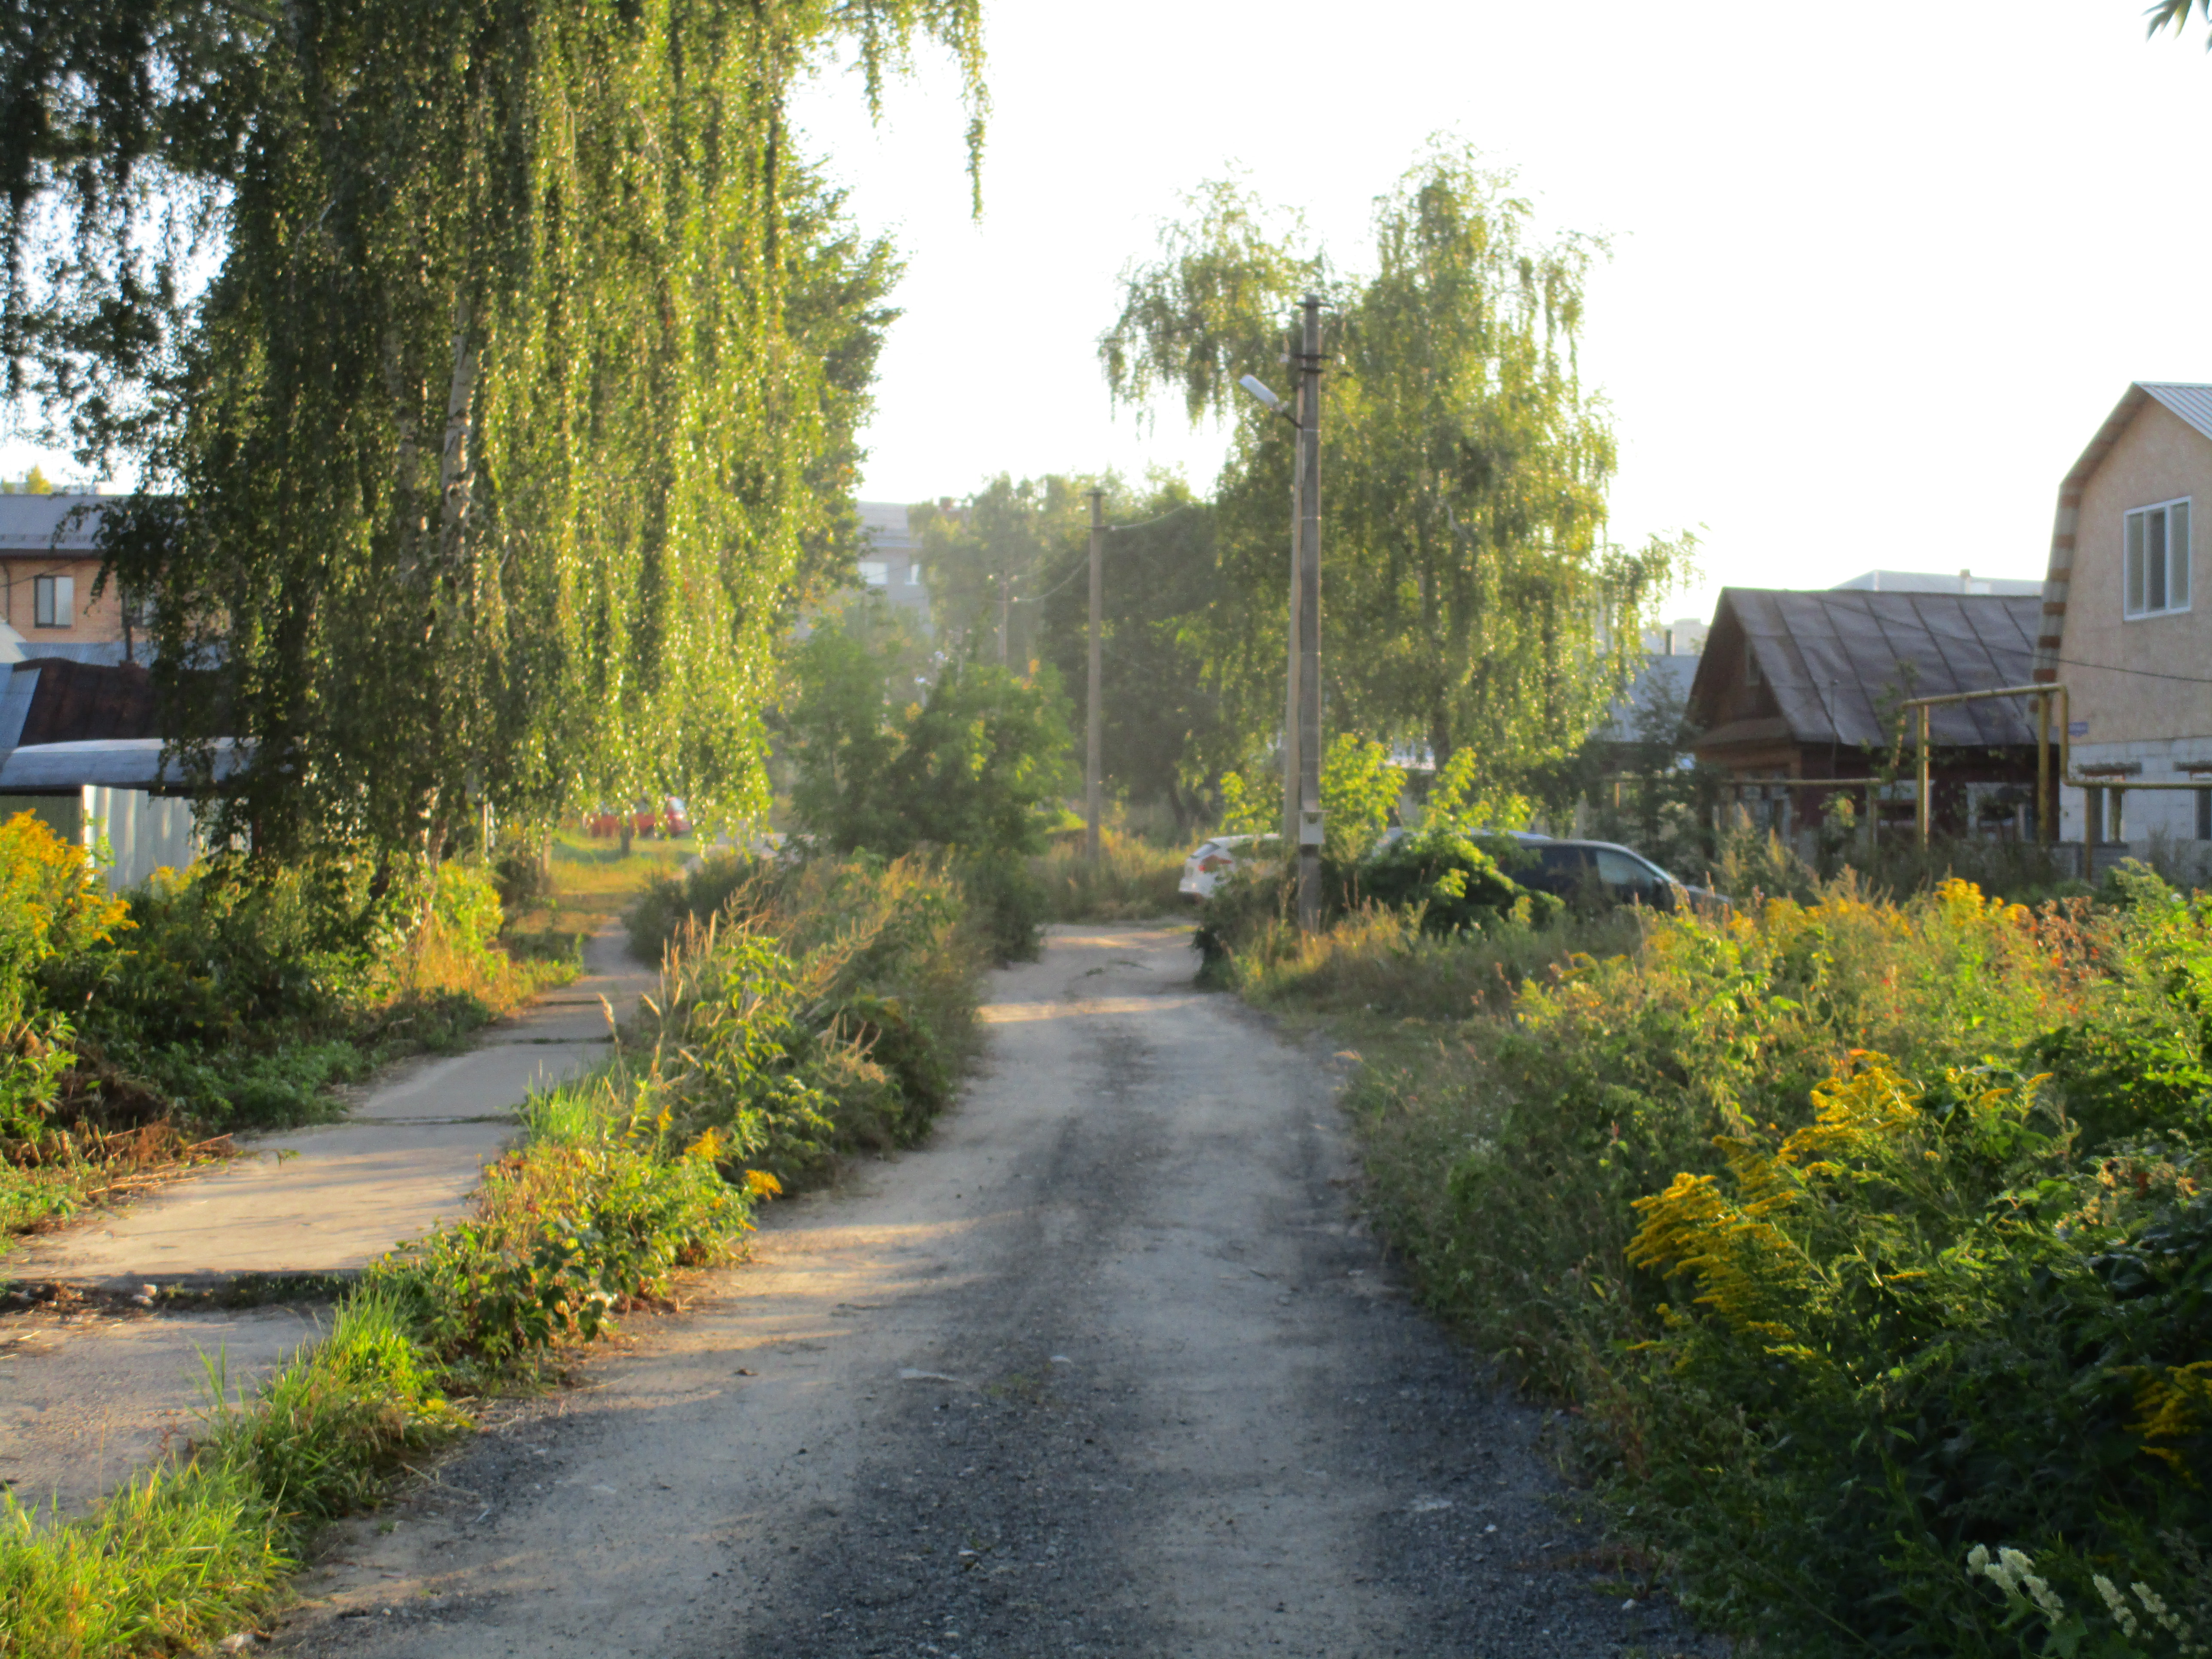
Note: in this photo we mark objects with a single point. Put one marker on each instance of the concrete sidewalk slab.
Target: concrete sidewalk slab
(88, 1395)
(493, 1080)
(332, 1199)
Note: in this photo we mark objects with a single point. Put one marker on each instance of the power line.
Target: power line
(2140, 673)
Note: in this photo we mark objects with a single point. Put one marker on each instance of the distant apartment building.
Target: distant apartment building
(49, 569)
(890, 561)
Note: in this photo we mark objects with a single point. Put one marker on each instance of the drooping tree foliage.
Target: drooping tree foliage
(2174, 15)
(1471, 596)
(495, 364)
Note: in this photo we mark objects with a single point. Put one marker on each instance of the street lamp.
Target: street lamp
(1302, 724)
(1253, 384)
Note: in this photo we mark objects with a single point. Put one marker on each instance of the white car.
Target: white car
(1206, 867)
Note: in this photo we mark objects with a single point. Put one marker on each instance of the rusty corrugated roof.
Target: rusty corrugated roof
(1839, 661)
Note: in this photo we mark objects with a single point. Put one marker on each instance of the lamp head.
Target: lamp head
(1253, 384)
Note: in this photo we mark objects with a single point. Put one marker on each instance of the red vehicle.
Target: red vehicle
(671, 820)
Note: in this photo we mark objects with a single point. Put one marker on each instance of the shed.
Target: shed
(1807, 684)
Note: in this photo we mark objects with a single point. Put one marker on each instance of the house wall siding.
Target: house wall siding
(2136, 715)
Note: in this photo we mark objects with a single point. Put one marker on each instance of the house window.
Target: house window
(1751, 674)
(876, 573)
(914, 575)
(53, 601)
(2157, 575)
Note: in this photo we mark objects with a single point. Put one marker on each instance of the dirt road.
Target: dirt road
(1107, 1367)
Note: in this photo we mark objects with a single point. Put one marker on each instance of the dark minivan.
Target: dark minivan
(1603, 869)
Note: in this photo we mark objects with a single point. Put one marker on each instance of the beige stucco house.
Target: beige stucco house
(2124, 628)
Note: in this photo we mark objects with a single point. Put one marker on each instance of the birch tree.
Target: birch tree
(1472, 597)
(486, 464)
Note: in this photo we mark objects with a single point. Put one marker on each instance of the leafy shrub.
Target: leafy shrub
(565, 1232)
(1456, 879)
(1864, 1234)
(676, 899)
(977, 764)
(975, 768)
(52, 906)
(827, 1006)
(239, 993)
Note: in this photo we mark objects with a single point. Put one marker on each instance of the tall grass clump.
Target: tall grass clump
(1870, 1240)
(1132, 880)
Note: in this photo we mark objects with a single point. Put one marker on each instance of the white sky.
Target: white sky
(1878, 272)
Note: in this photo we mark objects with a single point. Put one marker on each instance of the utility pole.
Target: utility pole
(1095, 720)
(1005, 606)
(1308, 617)
(1291, 773)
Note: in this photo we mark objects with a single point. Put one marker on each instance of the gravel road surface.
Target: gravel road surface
(1108, 1367)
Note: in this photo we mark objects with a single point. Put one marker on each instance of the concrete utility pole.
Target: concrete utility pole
(1290, 677)
(1095, 718)
(1309, 823)
(1006, 609)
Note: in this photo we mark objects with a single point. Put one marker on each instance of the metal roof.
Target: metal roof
(1662, 682)
(2193, 404)
(117, 762)
(1838, 662)
(39, 524)
(108, 652)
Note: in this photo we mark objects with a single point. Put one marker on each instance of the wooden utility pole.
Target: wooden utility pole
(1095, 718)
(1309, 823)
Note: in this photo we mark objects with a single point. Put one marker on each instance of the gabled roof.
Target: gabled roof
(2193, 404)
(1838, 661)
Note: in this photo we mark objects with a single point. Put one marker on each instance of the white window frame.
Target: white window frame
(53, 601)
(2136, 585)
(876, 574)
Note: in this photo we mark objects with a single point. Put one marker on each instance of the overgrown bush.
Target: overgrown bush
(817, 1008)
(1455, 880)
(1864, 1234)
(240, 991)
(599, 1209)
(973, 768)
(51, 908)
